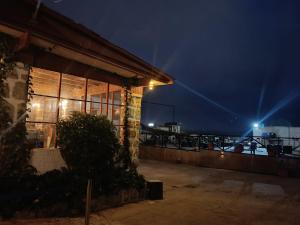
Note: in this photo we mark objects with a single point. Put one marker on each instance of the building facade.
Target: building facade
(71, 69)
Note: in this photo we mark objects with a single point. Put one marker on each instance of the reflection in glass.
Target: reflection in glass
(101, 99)
(114, 101)
(104, 104)
(41, 135)
(95, 88)
(45, 82)
(67, 107)
(72, 87)
(96, 97)
(43, 109)
(110, 102)
(116, 107)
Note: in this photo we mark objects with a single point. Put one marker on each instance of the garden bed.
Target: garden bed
(97, 204)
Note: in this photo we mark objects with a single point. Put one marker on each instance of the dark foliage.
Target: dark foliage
(88, 144)
(91, 149)
(14, 149)
(56, 193)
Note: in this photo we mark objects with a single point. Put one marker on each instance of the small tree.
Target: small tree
(91, 149)
(88, 144)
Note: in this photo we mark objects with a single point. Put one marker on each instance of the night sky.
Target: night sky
(244, 55)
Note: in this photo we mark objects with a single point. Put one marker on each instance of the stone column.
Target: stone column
(134, 120)
(16, 90)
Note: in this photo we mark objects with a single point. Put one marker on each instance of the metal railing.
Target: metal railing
(268, 146)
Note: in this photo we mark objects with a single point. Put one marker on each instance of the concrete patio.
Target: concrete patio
(195, 195)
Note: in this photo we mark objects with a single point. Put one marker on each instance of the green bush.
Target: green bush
(91, 149)
(88, 144)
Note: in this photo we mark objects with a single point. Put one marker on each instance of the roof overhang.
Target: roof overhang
(77, 43)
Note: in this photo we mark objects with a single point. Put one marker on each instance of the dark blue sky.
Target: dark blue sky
(243, 54)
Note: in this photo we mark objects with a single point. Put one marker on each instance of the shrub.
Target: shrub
(91, 149)
(88, 144)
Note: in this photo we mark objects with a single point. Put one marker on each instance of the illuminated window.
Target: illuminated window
(67, 107)
(45, 82)
(43, 109)
(96, 97)
(41, 135)
(57, 95)
(72, 87)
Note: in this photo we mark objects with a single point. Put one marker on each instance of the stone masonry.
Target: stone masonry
(16, 90)
(134, 120)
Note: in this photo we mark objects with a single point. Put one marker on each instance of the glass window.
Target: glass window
(41, 135)
(45, 82)
(116, 107)
(104, 104)
(114, 104)
(110, 107)
(47, 106)
(95, 88)
(43, 109)
(67, 107)
(96, 97)
(93, 108)
(72, 87)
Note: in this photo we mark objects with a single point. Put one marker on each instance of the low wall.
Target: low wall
(227, 160)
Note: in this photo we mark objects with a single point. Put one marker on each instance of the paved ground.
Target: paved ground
(195, 196)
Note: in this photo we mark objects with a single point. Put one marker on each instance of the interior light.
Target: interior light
(36, 105)
(63, 103)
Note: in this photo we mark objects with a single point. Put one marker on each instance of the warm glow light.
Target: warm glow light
(151, 85)
(64, 103)
(36, 105)
(222, 155)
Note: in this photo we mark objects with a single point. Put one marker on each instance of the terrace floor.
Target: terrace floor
(195, 196)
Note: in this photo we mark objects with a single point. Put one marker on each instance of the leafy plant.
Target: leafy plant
(14, 150)
(88, 144)
(91, 149)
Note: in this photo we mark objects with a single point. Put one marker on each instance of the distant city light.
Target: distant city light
(150, 124)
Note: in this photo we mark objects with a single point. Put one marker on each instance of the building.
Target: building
(280, 135)
(172, 127)
(71, 69)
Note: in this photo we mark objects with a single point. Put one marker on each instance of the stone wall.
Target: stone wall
(227, 160)
(16, 90)
(135, 121)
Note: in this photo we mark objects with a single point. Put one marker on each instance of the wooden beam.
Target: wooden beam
(40, 58)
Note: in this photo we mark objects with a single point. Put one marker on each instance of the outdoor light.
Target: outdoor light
(151, 85)
(150, 124)
(255, 125)
(222, 154)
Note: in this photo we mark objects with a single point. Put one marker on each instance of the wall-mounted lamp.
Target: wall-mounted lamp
(151, 85)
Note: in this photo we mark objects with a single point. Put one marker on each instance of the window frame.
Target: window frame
(104, 106)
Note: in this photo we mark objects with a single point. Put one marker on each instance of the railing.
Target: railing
(268, 146)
